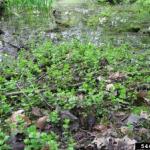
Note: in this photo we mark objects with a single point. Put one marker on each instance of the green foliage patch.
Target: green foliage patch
(26, 5)
(70, 76)
(61, 72)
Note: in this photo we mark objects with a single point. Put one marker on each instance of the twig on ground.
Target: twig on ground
(23, 92)
(44, 100)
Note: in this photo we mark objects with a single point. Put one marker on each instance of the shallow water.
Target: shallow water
(70, 23)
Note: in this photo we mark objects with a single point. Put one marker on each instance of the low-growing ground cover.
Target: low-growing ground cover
(59, 96)
(122, 18)
(75, 95)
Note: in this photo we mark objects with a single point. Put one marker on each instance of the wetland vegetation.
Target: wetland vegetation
(74, 74)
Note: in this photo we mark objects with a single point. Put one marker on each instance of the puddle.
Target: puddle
(66, 21)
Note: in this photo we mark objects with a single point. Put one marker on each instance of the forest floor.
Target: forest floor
(78, 95)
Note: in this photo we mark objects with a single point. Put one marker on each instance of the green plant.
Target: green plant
(67, 135)
(70, 76)
(71, 144)
(144, 3)
(38, 5)
(3, 141)
(5, 106)
(36, 140)
(54, 117)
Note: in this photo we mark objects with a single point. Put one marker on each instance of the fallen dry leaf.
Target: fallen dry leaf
(147, 101)
(117, 76)
(141, 94)
(120, 114)
(15, 119)
(80, 96)
(144, 115)
(46, 148)
(129, 142)
(114, 143)
(143, 131)
(100, 128)
(26, 119)
(125, 130)
(68, 115)
(110, 87)
(36, 111)
(19, 114)
(142, 97)
(100, 78)
(16, 114)
(41, 122)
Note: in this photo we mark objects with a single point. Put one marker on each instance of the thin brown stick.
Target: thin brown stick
(21, 92)
(38, 91)
(44, 100)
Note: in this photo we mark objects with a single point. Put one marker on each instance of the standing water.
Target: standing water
(67, 20)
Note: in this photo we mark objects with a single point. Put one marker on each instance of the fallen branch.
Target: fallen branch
(38, 91)
(23, 92)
